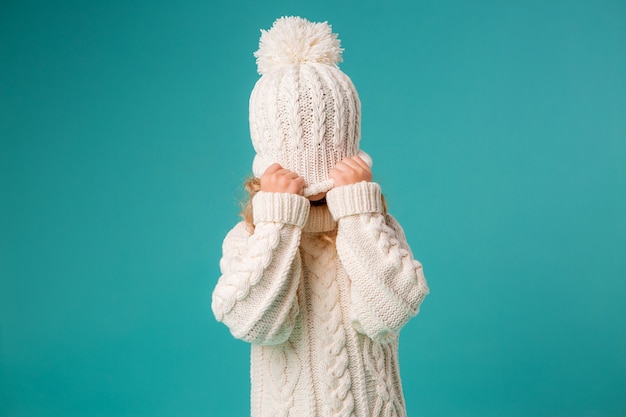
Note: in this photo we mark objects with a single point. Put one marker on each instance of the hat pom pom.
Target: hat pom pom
(294, 40)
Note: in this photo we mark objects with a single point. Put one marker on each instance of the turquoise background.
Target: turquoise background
(498, 132)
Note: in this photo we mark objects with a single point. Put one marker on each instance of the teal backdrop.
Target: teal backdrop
(498, 132)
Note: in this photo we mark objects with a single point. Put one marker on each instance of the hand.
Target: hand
(277, 179)
(350, 171)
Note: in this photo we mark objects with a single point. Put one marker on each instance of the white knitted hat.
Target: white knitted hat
(305, 113)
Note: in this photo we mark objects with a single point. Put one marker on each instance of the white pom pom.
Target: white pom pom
(294, 40)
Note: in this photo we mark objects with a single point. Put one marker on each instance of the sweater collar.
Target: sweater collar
(320, 220)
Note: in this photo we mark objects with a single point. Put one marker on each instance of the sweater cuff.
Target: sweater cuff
(359, 198)
(284, 208)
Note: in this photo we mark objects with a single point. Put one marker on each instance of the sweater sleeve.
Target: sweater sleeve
(256, 293)
(387, 283)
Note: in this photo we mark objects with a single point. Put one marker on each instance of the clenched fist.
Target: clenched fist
(350, 171)
(277, 179)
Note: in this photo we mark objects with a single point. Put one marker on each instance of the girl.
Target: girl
(317, 277)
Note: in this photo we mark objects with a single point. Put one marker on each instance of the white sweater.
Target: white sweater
(322, 315)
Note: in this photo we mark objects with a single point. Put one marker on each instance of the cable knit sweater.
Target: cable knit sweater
(322, 314)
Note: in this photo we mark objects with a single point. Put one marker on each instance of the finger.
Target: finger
(284, 172)
(300, 181)
(352, 164)
(361, 162)
(275, 167)
(297, 186)
(342, 166)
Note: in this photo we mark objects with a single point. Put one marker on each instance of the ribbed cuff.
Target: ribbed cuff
(280, 208)
(347, 200)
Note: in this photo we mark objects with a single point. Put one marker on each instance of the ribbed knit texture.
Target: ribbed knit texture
(280, 207)
(322, 303)
(361, 198)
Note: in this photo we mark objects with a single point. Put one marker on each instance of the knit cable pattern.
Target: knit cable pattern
(387, 283)
(284, 370)
(318, 105)
(338, 107)
(392, 282)
(289, 111)
(244, 275)
(245, 263)
(353, 110)
(327, 309)
(378, 363)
